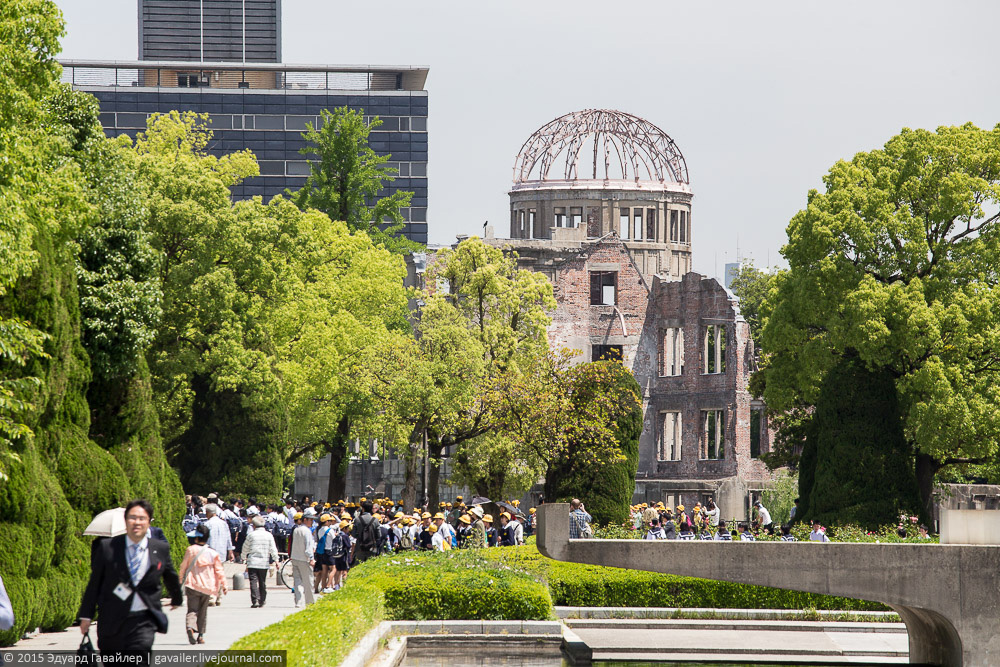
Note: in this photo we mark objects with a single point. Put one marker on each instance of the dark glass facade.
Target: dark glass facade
(270, 123)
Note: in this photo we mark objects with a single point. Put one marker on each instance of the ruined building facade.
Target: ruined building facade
(617, 246)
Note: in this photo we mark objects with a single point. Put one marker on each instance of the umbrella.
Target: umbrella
(507, 506)
(479, 500)
(108, 523)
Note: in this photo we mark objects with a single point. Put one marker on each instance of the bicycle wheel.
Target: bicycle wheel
(285, 575)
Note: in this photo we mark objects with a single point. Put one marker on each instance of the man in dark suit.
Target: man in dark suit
(125, 575)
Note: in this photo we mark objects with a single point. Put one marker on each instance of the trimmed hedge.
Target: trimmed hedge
(453, 585)
(457, 585)
(325, 632)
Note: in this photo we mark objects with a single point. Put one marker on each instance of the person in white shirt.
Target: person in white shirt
(444, 528)
(818, 534)
(303, 548)
(764, 518)
(712, 514)
(437, 539)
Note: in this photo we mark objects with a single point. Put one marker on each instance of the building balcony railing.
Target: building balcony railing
(234, 76)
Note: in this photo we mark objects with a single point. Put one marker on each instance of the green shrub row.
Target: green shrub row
(458, 585)
(455, 585)
(325, 632)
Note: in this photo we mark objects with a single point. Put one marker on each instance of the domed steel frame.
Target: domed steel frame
(636, 142)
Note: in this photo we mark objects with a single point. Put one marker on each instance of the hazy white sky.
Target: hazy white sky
(761, 97)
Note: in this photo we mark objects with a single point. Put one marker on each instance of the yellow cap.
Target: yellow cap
(425, 515)
(344, 524)
(314, 504)
(680, 508)
(458, 497)
(432, 528)
(345, 515)
(464, 519)
(515, 503)
(506, 514)
(488, 517)
(532, 510)
(439, 515)
(298, 515)
(324, 517)
(399, 515)
(326, 504)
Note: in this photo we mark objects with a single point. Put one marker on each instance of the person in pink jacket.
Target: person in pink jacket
(202, 577)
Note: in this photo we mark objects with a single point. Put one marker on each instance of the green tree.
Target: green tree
(38, 192)
(347, 313)
(482, 319)
(751, 285)
(863, 473)
(222, 267)
(118, 279)
(896, 264)
(604, 392)
(346, 177)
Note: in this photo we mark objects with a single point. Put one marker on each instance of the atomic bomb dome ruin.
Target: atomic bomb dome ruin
(601, 204)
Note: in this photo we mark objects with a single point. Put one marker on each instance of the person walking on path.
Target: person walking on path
(303, 548)
(579, 521)
(201, 576)
(126, 572)
(259, 551)
(219, 539)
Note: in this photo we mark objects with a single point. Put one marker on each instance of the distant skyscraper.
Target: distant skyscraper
(210, 30)
(732, 271)
(191, 58)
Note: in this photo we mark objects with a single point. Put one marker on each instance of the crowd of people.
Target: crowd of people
(324, 540)
(703, 522)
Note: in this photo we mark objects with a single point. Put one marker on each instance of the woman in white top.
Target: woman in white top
(259, 551)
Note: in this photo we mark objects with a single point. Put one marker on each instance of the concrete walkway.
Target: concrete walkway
(795, 642)
(226, 623)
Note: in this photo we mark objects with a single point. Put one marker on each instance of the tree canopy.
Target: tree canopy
(896, 263)
(346, 177)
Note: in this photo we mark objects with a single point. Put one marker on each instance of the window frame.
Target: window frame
(677, 432)
(713, 421)
(600, 275)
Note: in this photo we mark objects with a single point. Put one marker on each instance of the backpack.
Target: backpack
(337, 546)
(406, 541)
(283, 530)
(235, 525)
(321, 546)
(190, 523)
(368, 535)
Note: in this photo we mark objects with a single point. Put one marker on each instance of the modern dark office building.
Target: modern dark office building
(222, 57)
